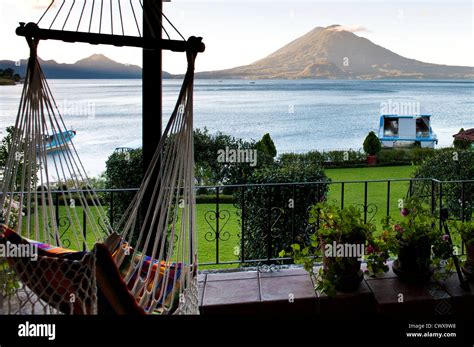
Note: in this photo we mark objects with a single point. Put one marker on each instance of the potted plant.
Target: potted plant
(466, 230)
(419, 245)
(341, 239)
(372, 147)
(8, 281)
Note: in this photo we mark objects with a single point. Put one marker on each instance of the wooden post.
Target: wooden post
(152, 88)
(151, 96)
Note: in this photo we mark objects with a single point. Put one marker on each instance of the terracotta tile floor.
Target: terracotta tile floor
(290, 291)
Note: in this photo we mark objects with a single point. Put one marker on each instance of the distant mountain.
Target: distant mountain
(96, 66)
(333, 53)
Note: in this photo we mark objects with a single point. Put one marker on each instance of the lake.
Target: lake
(300, 115)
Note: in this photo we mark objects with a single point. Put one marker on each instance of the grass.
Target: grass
(376, 191)
(71, 233)
(229, 234)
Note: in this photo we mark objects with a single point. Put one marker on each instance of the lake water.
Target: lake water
(299, 115)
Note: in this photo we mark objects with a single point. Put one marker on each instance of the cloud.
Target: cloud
(38, 4)
(349, 28)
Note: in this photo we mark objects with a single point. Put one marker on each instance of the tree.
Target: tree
(8, 73)
(372, 144)
(279, 212)
(461, 144)
(266, 145)
(207, 160)
(123, 170)
(448, 165)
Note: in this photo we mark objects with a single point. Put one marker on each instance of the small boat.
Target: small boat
(57, 141)
(404, 131)
(130, 146)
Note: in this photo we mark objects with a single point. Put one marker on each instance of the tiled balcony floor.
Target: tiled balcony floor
(290, 291)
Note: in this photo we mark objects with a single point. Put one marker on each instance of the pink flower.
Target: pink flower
(445, 237)
(398, 228)
(370, 249)
(404, 212)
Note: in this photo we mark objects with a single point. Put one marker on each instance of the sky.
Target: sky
(241, 32)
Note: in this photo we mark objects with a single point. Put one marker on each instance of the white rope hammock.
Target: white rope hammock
(153, 247)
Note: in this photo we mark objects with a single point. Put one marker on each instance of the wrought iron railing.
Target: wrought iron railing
(227, 224)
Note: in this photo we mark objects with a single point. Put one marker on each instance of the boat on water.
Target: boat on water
(130, 146)
(57, 141)
(404, 131)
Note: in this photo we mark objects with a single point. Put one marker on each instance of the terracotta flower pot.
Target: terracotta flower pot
(346, 270)
(413, 262)
(371, 160)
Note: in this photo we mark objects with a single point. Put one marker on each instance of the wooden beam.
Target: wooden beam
(145, 42)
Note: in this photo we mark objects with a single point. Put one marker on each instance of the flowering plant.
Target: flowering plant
(337, 230)
(417, 227)
(15, 211)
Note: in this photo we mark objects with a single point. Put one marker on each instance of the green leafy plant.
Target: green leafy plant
(6, 144)
(123, 170)
(14, 208)
(342, 227)
(269, 207)
(417, 227)
(266, 145)
(466, 230)
(8, 282)
(448, 164)
(372, 144)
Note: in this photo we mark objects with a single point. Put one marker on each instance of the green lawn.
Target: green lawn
(229, 234)
(376, 191)
(72, 234)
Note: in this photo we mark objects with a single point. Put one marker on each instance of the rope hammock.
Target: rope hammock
(148, 264)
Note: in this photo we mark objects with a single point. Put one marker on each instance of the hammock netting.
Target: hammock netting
(145, 264)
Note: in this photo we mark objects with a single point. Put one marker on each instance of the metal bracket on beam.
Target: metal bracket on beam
(33, 31)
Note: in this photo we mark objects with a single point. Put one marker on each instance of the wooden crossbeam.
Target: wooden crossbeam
(32, 30)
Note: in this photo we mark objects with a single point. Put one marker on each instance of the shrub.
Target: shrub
(267, 146)
(5, 146)
(404, 155)
(212, 199)
(210, 171)
(123, 170)
(448, 165)
(372, 144)
(328, 159)
(343, 158)
(270, 209)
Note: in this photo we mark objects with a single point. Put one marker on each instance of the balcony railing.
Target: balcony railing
(228, 235)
